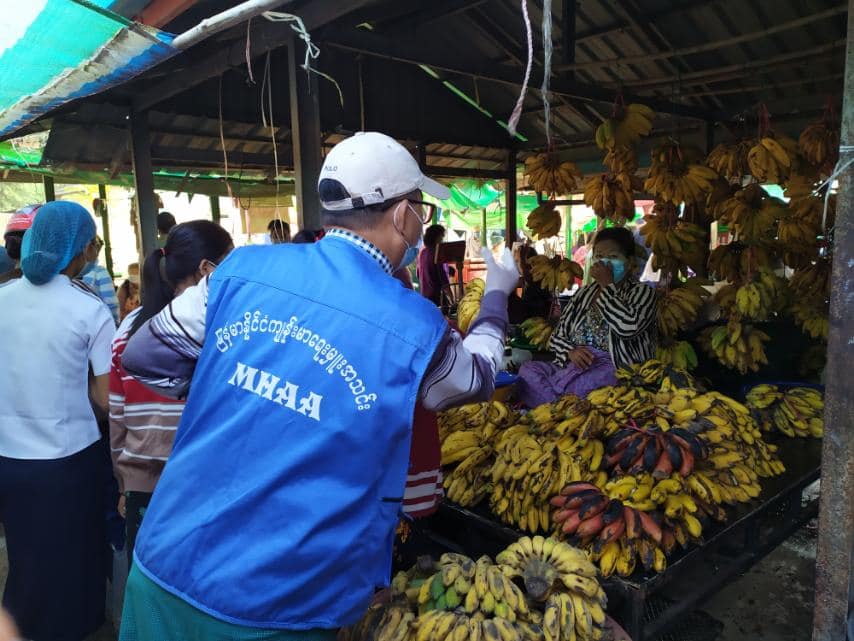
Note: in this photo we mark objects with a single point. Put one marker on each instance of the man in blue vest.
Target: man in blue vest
(276, 513)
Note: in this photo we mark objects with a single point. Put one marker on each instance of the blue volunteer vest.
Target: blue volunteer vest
(278, 506)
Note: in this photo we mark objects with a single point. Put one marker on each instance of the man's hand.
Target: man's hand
(502, 276)
(581, 357)
(602, 274)
(122, 506)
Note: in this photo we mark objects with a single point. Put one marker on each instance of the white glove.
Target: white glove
(502, 276)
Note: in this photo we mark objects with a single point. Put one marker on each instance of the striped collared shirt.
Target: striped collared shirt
(99, 281)
(368, 247)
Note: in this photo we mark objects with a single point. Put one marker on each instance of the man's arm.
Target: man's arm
(463, 369)
(107, 292)
(162, 354)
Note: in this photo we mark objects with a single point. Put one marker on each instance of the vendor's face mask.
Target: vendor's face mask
(618, 267)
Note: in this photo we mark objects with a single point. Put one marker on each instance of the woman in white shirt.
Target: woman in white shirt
(56, 337)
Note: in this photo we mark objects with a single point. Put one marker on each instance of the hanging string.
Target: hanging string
(222, 142)
(248, 49)
(517, 110)
(312, 51)
(548, 47)
(268, 70)
(834, 175)
(265, 76)
(361, 97)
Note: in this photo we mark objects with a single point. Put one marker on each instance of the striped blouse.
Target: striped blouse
(628, 308)
(142, 423)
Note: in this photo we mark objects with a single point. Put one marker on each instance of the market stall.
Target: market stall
(664, 476)
(615, 104)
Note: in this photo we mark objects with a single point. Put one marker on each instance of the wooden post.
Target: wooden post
(835, 550)
(569, 231)
(568, 33)
(146, 203)
(49, 190)
(105, 225)
(510, 196)
(216, 216)
(305, 134)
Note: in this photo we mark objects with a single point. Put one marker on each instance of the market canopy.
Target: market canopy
(55, 51)
(469, 199)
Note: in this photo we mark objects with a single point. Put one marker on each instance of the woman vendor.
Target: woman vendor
(607, 324)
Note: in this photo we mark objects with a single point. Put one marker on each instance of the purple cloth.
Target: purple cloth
(431, 276)
(541, 382)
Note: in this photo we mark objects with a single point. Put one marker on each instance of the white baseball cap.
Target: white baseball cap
(374, 168)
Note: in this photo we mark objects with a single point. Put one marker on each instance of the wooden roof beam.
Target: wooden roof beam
(265, 36)
(410, 53)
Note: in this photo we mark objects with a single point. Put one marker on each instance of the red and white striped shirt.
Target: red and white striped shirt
(423, 491)
(142, 423)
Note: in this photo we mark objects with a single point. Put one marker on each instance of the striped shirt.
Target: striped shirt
(628, 309)
(142, 423)
(163, 352)
(99, 281)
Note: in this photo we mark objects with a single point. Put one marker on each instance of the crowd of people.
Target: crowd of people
(260, 431)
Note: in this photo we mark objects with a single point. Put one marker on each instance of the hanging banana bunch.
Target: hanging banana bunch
(676, 176)
(680, 307)
(730, 160)
(674, 242)
(753, 214)
(546, 173)
(733, 262)
(736, 345)
(819, 143)
(611, 196)
(627, 126)
(544, 221)
(771, 158)
(621, 160)
(555, 273)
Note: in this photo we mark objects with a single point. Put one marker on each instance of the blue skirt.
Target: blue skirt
(53, 514)
(153, 614)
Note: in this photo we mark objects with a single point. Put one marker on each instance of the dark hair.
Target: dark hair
(620, 235)
(281, 226)
(165, 222)
(186, 247)
(13, 244)
(433, 234)
(306, 236)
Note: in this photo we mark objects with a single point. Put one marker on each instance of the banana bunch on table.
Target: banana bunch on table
(796, 412)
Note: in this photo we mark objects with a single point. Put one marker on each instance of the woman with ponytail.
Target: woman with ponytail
(142, 423)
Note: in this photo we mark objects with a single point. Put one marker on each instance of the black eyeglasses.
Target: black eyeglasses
(428, 210)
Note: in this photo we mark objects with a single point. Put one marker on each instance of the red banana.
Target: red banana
(650, 526)
(590, 527)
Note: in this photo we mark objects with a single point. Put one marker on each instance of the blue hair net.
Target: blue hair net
(60, 231)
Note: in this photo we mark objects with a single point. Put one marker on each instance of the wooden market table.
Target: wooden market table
(729, 549)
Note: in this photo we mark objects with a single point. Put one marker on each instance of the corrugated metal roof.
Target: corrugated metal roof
(773, 51)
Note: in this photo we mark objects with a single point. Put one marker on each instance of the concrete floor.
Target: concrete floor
(772, 602)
